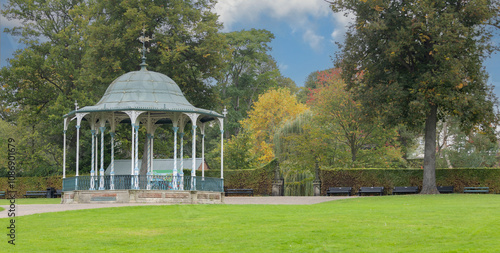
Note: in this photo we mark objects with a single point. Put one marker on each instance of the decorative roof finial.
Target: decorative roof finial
(224, 112)
(144, 39)
(76, 105)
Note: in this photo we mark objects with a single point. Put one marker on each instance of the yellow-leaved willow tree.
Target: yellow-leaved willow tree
(271, 110)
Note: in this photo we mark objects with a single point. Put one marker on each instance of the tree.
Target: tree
(414, 61)
(238, 152)
(250, 71)
(457, 149)
(184, 46)
(338, 113)
(310, 84)
(270, 111)
(8, 132)
(74, 49)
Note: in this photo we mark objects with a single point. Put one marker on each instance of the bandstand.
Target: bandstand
(149, 99)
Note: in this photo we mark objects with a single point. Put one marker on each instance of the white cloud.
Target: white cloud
(300, 15)
(282, 66)
(313, 39)
(342, 22)
(245, 11)
(5, 23)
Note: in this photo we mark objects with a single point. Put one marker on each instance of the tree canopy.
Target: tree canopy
(74, 49)
(413, 61)
(269, 112)
(337, 112)
(249, 72)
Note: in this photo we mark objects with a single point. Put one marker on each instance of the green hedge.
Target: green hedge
(389, 178)
(23, 184)
(261, 179)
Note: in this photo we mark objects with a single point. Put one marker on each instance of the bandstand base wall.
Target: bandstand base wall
(142, 196)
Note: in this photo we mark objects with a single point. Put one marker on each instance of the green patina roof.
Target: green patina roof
(144, 90)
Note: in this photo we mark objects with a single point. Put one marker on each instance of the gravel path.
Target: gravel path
(45, 208)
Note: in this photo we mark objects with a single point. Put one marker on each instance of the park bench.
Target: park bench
(239, 192)
(445, 189)
(2, 194)
(57, 194)
(476, 189)
(365, 190)
(34, 194)
(405, 189)
(339, 190)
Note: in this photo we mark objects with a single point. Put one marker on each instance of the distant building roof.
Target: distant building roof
(160, 166)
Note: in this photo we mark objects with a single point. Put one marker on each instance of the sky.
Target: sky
(305, 34)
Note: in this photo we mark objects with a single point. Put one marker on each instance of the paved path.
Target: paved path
(45, 208)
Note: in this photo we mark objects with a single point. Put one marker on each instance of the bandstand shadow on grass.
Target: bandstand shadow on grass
(149, 99)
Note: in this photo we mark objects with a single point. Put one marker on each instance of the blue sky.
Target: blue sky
(305, 34)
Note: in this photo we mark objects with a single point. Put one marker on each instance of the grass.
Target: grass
(440, 223)
(31, 201)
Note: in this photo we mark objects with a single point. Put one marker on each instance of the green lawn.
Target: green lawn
(441, 223)
(29, 201)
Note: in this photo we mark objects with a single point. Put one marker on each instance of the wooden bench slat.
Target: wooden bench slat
(339, 190)
(476, 189)
(445, 189)
(375, 189)
(239, 191)
(405, 189)
(35, 194)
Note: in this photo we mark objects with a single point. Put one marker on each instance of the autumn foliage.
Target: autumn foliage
(272, 109)
(339, 114)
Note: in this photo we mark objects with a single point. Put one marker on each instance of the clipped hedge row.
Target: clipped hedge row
(389, 178)
(23, 184)
(261, 179)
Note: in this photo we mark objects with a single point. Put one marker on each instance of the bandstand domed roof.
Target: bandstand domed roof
(144, 90)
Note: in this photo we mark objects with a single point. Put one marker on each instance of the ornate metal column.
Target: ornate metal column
(77, 147)
(133, 115)
(92, 160)
(101, 171)
(149, 173)
(151, 157)
(77, 154)
(112, 173)
(181, 156)
(221, 124)
(136, 159)
(64, 146)
(96, 161)
(193, 167)
(79, 117)
(222, 153)
(133, 158)
(174, 179)
(203, 155)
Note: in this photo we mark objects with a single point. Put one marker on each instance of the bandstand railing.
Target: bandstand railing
(141, 182)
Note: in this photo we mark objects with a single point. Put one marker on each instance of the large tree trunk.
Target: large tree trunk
(429, 182)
